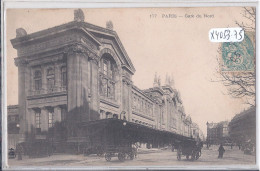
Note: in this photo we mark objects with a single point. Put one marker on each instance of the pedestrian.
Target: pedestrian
(135, 147)
(221, 151)
(200, 147)
(231, 145)
(179, 152)
(172, 148)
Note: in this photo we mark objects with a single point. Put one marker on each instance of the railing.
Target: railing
(47, 91)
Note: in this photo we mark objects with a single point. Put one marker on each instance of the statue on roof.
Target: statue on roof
(171, 81)
(159, 81)
(155, 81)
(167, 81)
(79, 15)
(20, 32)
(109, 25)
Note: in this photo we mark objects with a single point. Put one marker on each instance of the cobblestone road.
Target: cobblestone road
(152, 157)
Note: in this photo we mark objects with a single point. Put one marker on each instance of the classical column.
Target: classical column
(44, 116)
(22, 64)
(57, 75)
(94, 97)
(44, 79)
(57, 114)
(64, 112)
(126, 98)
(31, 119)
(130, 102)
(77, 72)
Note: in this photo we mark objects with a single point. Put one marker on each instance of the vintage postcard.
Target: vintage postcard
(131, 87)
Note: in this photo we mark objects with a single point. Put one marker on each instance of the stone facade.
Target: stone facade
(217, 132)
(196, 132)
(13, 126)
(242, 127)
(80, 72)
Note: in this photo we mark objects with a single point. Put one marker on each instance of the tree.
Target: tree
(242, 84)
(250, 14)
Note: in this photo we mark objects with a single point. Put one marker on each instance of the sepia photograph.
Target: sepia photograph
(131, 87)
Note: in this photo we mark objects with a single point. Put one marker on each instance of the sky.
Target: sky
(175, 46)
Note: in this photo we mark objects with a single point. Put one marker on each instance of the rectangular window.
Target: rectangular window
(64, 76)
(37, 80)
(50, 83)
(64, 79)
(37, 120)
(38, 84)
(50, 122)
(50, 79)
(108, 91)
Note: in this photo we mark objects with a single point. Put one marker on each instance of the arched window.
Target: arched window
(50, 79)
(105, 67)
(64, 76)
(37, 80)
(107, 77)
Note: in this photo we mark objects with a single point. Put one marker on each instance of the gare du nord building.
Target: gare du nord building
(80, 75)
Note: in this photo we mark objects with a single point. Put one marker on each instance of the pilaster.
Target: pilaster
(44, 78)
(94, 88)
(31, 119)
(57, 114)
(127, 97)
(82, 72)
(44, 119)
(57, 75)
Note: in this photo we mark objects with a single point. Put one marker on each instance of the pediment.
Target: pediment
(109, 37)
(68, 33)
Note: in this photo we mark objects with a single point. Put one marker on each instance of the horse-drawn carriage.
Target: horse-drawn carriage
(122, 152)
(190, 149)
(99, 150)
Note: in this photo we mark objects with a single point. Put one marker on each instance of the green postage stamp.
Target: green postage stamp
(238, 56)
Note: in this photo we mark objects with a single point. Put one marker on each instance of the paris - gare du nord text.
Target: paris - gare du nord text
(76, 90)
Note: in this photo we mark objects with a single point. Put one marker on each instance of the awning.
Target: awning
(134, 127)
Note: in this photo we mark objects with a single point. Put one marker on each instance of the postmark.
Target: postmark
(238, 56)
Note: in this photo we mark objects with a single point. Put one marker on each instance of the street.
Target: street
(152, 157)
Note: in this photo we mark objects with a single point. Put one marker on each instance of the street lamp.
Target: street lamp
(17, 128)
